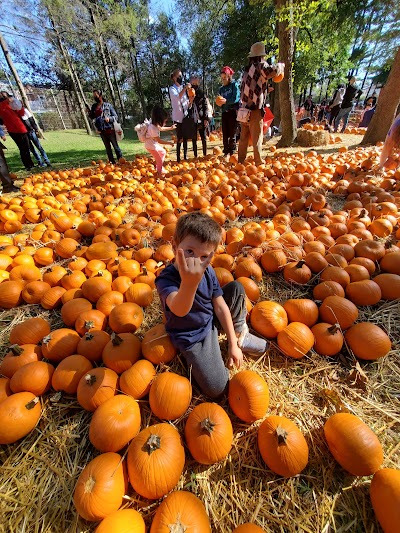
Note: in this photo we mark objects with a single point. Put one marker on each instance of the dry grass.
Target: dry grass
(38, 474)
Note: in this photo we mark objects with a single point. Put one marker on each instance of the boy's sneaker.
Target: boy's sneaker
(251, 344)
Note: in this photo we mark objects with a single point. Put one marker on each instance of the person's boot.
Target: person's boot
(194, 143)
(251, 344)
(178, 152)
(185, 150)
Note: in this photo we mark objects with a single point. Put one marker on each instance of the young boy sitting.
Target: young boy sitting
(195, 304)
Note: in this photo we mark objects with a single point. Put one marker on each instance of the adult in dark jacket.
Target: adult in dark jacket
(351, 94)
(228, 99)
(104, 116)
(202, 106)
(16, 128)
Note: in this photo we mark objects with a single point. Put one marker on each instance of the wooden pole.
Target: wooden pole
(58, 109)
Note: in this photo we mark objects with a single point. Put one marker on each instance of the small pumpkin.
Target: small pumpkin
(295, 340)
(121, 352)
(59, 344)
(30, 331)
(388, 283)
(328, 338)
(268, 318)
(301, 310)
(282, 446)
(114, 423)
(122, 521)
(92, 344)
(95, 387)
(337, 310)
(248, 528)
(136, 381)
(34, 377)
(248, 396)
(126, 317)
(385, 498)
(155, 461)
(181, 511)
(364, 292)
(170, 396)
(353, 444)
(19, 414)
(19, 356)
(208, 433)
(368, 341)
(100, 487)
(69, 372)
(297, 272)
(157, 346)
(5, 390)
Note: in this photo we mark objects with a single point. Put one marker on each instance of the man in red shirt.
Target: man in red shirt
(16, 128)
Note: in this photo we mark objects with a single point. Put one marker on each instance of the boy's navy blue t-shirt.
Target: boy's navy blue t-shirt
(186, 331)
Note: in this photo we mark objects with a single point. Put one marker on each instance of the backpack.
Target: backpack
(141, 130)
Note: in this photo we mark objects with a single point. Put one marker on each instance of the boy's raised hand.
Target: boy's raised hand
(191, 269)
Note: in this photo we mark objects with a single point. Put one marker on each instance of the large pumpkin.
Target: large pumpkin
(19, 414)
(353, 444)
(385, 498)
(155, 461)
(114, 423)
(181, 511)
(282, 446)
(122, 521)
(268, 318)
(208, 433)
(101, 487)
(157, 346)
(125, 318)
(368, 341)
(337, 310)
(30, 331)
(59, 344)
(248, 396)
(170, 396)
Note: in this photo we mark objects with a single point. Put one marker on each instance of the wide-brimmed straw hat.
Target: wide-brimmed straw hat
(257, 49)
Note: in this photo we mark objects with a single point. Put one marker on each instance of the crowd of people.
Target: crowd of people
(335, 113)
(244, 106)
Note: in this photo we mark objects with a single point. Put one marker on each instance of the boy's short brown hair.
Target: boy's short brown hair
(200, 226)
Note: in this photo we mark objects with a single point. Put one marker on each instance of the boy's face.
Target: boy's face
(192, 247)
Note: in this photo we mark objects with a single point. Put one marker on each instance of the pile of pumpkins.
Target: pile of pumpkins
(99, 237)
(155, 456)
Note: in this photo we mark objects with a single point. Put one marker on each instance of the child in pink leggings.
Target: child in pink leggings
(153, 141)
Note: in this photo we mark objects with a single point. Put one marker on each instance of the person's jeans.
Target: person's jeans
(110, 139)
(229, 125)
(253, 128)
(204, 358)
(22, 141)
(343, 114)
(35, 141)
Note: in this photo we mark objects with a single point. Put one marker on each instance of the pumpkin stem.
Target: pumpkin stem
(90, 379)
(300, 264)
(207, 425)
(334, 328)
(144, 271)
(281, 434)
(178, 527)
(46, 339)
(15, 349)
(116, 339)
(153, 444)
(88, 336)
(30, 405)
(89, 324)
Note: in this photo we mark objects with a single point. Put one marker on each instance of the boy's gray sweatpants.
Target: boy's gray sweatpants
(204, 359)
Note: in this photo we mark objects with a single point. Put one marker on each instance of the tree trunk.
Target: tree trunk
(75, 80)
(136, 76)
(101, 52)
(388, 101)
(120, 99)
(287, 36)
(18, 81)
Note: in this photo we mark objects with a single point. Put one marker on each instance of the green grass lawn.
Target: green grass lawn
(72, 148)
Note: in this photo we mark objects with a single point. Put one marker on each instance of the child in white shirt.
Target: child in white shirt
(153, 141)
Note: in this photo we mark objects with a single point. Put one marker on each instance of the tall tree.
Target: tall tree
(386, 109)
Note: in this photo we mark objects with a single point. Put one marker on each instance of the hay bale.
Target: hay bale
(312, 138)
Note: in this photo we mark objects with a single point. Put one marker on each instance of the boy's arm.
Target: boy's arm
(191, 270)
(225, 318)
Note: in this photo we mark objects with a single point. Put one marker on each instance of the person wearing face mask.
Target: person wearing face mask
(180, 105)
(202, 106)
(228, 99)
(103, 114)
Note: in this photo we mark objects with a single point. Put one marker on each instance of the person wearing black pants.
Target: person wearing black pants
(180, 104)
(201, 105)
(22, 141)
(11, 111)
(228, 98)
(6, 181)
